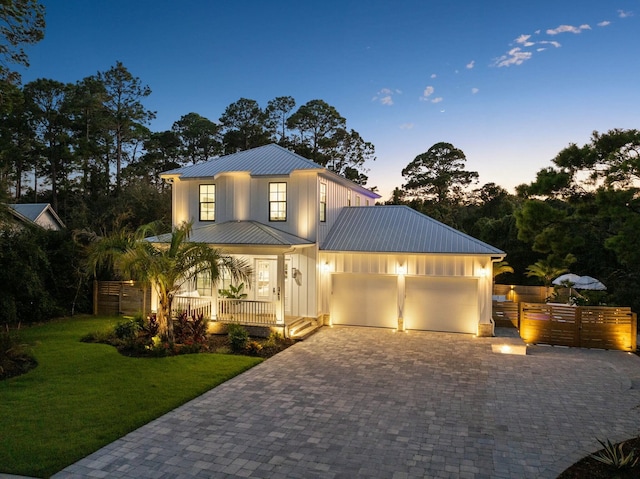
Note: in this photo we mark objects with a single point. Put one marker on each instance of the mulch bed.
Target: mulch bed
(16, 365)
(590, 468)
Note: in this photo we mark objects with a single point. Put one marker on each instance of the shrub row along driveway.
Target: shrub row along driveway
(359, 402)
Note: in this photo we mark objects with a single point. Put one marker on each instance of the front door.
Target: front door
(266, 280)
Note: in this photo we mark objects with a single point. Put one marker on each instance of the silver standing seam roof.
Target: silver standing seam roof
(238, 233)
(399, 229)
(267, 160)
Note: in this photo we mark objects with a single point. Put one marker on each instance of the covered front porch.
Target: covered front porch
(245, 312)
(281, 293)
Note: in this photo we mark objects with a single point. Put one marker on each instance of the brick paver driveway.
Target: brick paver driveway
(359, 402)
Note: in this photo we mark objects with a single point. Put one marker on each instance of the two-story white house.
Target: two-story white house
(322, 251)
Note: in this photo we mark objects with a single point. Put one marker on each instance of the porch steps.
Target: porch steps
(302, 328)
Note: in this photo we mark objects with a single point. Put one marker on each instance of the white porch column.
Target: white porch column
(280, 292)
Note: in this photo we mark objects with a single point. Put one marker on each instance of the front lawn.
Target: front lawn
(83, 396)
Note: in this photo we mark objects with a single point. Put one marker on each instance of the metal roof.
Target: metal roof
(238, 233)
(399, 229)
(267, 160)
(33, 211)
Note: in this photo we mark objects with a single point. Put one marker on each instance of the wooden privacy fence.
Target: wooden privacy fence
(120, 297)
(600, 327)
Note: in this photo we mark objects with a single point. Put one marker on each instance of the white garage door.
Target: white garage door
(441, 304)
(364, 300)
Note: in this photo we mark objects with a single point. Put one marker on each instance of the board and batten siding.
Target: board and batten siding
(415, 264)
(337, 198)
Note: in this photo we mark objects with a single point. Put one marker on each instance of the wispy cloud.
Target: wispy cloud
(385, 96)
(474, 91)
(524, 41)
(427, 95)
(470, 64)
(433, 75)
(515, 56)
(524, 46)
(568, 29)
(604, 23)
(406, 126)
(623, 14)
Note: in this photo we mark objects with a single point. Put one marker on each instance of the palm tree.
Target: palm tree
(166, 262)
(545, 271)
(501, 267)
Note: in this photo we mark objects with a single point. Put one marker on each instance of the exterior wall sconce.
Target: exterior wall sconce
(401, 269)
(326, 268)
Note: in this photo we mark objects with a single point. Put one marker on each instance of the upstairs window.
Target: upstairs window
(323, 202)
(277, 202)
(207, 202)
(348, 197)
(357, 200)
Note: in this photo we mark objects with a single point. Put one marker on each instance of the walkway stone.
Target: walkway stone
(362, 402)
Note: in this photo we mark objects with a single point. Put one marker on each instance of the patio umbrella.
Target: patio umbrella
(588, 282)
(566, 278)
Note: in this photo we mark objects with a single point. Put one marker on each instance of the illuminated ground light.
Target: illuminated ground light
(518, 349)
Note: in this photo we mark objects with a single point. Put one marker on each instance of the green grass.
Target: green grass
(83, 396)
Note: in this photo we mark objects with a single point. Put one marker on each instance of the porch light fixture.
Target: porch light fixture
(402, 269)
(326, 267)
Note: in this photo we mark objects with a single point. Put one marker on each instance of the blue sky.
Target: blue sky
(510, 83)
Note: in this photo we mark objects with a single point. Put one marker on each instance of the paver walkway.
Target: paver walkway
(359, 402)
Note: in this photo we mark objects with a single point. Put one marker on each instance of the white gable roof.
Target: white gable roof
(399, 229)
(268, 160)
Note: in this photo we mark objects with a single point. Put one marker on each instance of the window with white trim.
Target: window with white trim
(323, 202)
(277, 202)
(207, 202)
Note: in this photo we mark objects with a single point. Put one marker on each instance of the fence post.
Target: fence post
(95, 297)
(578, 331)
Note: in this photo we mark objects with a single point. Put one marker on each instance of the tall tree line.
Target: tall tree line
(86, 147)
(581, 214)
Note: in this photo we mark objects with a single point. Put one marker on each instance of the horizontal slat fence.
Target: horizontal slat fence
(548, 323)
(120, 297)
(600, 327)
(608, 328)
(505, 313)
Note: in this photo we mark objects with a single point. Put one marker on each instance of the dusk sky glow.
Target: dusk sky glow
(509, 83)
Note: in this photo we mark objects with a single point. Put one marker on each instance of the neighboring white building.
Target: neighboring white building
(41, 214)
(321, 250)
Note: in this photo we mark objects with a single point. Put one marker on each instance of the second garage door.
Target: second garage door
(441, 304)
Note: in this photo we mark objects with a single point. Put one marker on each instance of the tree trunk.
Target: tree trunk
(164, 318)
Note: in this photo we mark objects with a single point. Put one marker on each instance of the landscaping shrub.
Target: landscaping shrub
(15, 357)
(190, 331)
(253, 348)
(238, 337)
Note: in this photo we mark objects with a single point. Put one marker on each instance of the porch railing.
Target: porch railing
(246, 312)
(193, 305)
